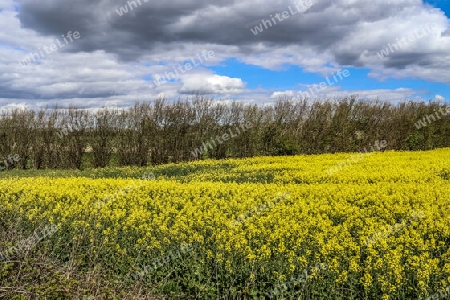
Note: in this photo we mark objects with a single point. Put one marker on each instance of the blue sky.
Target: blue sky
(292, 77)
(443, 5)
(261, 50)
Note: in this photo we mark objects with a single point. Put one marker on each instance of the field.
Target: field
(257, 228)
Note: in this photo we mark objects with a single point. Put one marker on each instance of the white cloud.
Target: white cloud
(392, 95)
(281, 94)
(439, 98)
(332, 34)
(211, 84)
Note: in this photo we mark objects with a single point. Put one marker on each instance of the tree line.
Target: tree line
(161, 131)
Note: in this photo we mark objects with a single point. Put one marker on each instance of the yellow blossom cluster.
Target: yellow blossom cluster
(325, 220)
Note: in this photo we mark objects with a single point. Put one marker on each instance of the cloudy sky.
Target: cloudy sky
(115, 52)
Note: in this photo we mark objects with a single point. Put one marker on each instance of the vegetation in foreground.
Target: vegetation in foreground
(265, 227)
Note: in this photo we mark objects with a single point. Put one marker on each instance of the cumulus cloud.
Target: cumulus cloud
(118, 56)
(334, 92)
(439, 98)
(283, 94)
(211, 84)
(342, 28)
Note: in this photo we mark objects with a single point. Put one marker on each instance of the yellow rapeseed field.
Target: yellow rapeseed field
(380, 226)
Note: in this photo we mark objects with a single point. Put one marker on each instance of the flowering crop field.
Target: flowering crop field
(258, 228)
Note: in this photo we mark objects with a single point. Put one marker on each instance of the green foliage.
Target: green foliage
(415, 141)
(162, 132)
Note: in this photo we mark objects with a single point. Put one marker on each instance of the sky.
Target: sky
(114, 52)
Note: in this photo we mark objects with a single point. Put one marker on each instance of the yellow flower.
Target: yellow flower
(395, 200)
